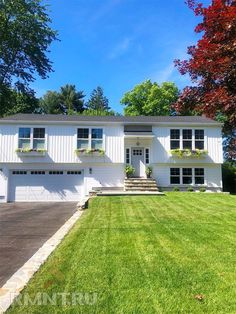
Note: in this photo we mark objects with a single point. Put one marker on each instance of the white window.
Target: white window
(174, 139)
(174, 175)
(89, 138)
(191, 139)
(147, 158)
(199, 139)
(83, 138)
(31, 138)
(199, 175)
(187, 176)
(97, 139)
(187, 139)
(127, 156)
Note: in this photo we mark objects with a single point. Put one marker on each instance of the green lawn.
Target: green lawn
(153, 254)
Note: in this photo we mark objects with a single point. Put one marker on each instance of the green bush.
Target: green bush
(202, 189)
(129, 170)
(229, 177)
(175, 189)
(190, 189)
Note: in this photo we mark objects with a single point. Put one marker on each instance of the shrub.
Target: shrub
(190, 189)
(229, 177)
(175, 189)
(202, 189)
(129, 170)
(148, 171)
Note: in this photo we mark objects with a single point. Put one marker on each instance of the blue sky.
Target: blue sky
(117, 44)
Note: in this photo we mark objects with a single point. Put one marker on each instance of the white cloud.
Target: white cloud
(120, 48)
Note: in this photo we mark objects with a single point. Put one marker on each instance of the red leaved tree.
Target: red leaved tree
(212, 67)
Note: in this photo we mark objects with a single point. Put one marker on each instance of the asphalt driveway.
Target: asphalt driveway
(24, 227)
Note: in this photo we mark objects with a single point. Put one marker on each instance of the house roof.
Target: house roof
(57, 118)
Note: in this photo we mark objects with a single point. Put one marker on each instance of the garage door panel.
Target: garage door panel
(46, 186)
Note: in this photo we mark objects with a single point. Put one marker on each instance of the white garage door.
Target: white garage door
(45, 185)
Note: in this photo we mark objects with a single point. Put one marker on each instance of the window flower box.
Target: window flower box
(90, 152)
(30, 152)
(188, 153)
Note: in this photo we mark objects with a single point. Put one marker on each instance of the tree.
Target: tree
(150, 99)
(98, 102)
(91, 112)
(24, 41)
(71, 100)
(17, 102)
(211, 67)
(50, 103)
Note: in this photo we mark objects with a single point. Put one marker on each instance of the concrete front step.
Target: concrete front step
(141, 189)
(140, 184)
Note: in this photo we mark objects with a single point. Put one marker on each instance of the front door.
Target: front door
(137, 161)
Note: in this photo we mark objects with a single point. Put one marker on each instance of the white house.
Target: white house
(60, 158)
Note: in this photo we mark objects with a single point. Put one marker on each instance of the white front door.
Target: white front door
(137, 161)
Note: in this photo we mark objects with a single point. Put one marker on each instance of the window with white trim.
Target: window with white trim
(199, 139)
(187, 176)
(97, 139)
(147, 157)
(187, 139)
(199, 175)
(39, 138)
(127, 156)
(83, 138)
(31, 138)
(174, 139)
(174, 175)
(89, 138)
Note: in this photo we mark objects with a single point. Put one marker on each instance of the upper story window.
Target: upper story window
(38, 138)
(187, 139)
(83, 138)
(31, 138)
(97, 139)
(174, 139)
(89, 138)
(199, 139)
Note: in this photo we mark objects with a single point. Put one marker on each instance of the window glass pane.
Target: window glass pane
(38, 144)
(187, 180)
(187, 171)
(24, 143)
(83, 133)
(97, 144)
(199, 171)
(187, 144)
(187, 134)
(199, 144)
(174, 134)
(174, 144)
(199, 134)
(175, 180)
(175, 171)
(24, 132)
(82, 144)
(39, 133)
(199, 180)
(97, 133)
(127, 156)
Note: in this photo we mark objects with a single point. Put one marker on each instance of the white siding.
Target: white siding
(161, 146)
(61, 144)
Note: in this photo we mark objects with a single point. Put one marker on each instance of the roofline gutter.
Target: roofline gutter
(218, 124)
